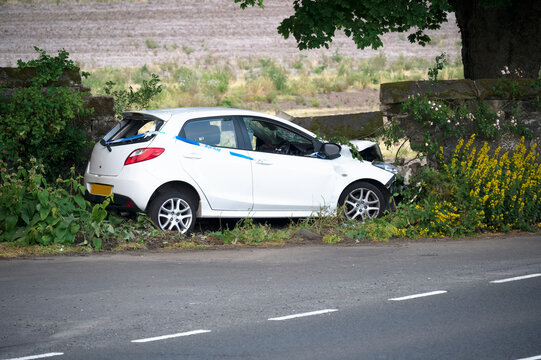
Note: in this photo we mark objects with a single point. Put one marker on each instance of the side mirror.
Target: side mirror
(330, 150)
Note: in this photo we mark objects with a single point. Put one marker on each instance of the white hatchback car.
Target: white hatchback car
(181, 164)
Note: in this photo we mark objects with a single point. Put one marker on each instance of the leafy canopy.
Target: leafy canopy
(314, 23)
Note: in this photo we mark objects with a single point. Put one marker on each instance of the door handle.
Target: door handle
(264, 162)
(193, 156)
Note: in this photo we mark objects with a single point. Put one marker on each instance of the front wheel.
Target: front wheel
(173, 211)
(362, 201)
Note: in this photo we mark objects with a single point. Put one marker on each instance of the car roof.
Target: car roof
(191, 112)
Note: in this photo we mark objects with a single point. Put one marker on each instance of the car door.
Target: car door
(210, 155)
(285, 176)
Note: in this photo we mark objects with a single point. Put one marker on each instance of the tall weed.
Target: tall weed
(478, 190)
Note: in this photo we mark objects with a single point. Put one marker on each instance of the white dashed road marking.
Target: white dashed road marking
(164, 337)
(294, 316)
(409, 297)
(32, 357)
(288, 317)
(515, 278)
(538, 357)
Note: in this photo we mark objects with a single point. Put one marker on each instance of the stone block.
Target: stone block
(448, 89)
(102, 105)
(391, 109)
(506, 89)
(398, 92)
(352, 126)
(13, 77)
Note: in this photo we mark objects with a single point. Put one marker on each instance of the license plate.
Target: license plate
(99, 189)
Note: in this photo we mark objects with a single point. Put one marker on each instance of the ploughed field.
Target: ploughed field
(134, 33)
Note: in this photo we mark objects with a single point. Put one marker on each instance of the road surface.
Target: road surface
(467, 299)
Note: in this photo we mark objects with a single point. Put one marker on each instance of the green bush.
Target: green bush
(214, 84)
(275, 73)
(34, 212)
(186, 79)
(140, 98)
(37, 121)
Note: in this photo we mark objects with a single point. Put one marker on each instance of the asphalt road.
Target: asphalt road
(468, 299)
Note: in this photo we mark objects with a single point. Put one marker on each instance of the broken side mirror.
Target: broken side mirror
(330, 150)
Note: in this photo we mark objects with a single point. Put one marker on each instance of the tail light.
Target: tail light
(143, 155)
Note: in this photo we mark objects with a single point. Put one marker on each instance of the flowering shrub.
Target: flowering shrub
(506, 188)
(446, 120)
(477, 191)
(442, 121)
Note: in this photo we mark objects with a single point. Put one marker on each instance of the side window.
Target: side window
(267, 136)
(212, 131)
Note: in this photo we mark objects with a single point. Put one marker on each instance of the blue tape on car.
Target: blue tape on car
(133, 137)
(198, 143)
(316, 155)
(240, 155)
(187, 140)
(212, 147)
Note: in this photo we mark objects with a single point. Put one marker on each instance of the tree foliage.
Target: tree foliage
(314, 23)
(495, 33)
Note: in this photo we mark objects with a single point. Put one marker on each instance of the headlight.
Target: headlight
(385, 166)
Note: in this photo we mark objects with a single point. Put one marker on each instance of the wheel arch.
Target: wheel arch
(376, 183)
(177, 186)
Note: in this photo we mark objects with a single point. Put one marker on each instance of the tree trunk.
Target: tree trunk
(500, 38)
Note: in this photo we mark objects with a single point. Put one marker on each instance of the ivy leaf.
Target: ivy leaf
(46, 240)
(97, 243)
(25, 218)
(11, 222)
(80, 200)
(43, 197)
(74, 228)
(98, 213)
(44, 212)
(61, 233)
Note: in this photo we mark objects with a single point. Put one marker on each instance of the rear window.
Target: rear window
(130, 131)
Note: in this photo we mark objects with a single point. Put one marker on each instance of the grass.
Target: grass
(14, 250)
(245, 232)
(151, 44)
(329, 230)
(246, 82)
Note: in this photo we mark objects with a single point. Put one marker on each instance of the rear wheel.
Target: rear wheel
(173, 211)
(363, 201)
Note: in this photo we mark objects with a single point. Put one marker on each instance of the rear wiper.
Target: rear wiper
(106, 144)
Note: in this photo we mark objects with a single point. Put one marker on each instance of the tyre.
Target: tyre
(173, 211)
(363, 201)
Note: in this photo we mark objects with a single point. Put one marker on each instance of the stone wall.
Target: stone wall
(94, 126)
(469, 93)
(351, 126)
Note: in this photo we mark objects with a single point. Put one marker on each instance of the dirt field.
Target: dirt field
(187, 32)
(131, 33)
